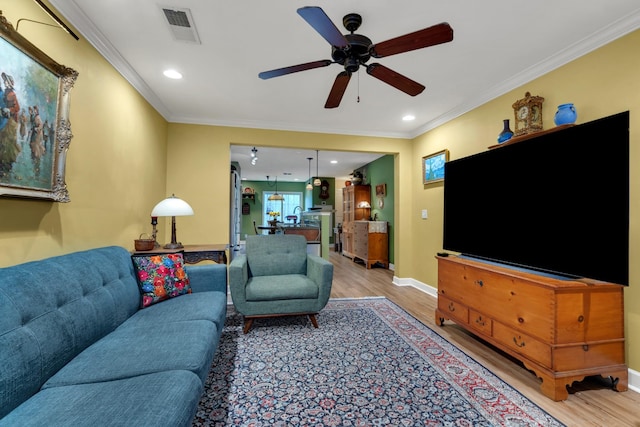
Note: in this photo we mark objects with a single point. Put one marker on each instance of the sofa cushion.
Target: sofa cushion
(51, 310)
(138, 349)
(167, 398)
(160, 277)
(209, 306)
(271, 288)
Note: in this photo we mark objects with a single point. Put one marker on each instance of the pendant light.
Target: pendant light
(309, 186)
(275, 196)
(316, 182)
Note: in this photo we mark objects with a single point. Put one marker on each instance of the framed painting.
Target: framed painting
(433, 167)
(35, 132)
(381, 190)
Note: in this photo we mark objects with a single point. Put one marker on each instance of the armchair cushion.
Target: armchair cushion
(270, 288)
(270, 257)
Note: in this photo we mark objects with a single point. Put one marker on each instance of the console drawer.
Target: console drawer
(456, 311)
(524, 344)
(480, 322)
(587, 355)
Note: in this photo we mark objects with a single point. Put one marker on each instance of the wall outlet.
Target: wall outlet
(424, 214)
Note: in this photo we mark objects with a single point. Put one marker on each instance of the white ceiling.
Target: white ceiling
(498, 45)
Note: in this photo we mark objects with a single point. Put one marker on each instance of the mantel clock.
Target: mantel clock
(528, 114)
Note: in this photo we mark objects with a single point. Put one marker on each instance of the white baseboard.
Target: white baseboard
(634, 380)
(416, 284)
(634, 376)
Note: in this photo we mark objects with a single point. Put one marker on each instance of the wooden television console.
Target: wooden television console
(562, 330)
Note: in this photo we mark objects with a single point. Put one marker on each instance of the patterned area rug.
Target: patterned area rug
(369, 363)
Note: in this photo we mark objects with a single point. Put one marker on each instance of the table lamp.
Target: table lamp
(173, 207)
(364, 205)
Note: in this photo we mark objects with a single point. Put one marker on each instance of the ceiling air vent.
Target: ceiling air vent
(181, 25)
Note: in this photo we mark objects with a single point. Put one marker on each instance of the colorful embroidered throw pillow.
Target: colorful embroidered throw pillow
(161, 277)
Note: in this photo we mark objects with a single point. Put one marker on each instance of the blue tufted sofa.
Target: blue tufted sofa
(76, 349)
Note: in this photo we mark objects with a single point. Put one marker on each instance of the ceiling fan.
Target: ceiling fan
(352, 50)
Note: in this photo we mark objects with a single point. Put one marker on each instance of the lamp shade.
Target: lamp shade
(364, 205)
(276, 196)
(172, 206)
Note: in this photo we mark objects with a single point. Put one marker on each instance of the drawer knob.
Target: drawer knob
(479, 282)
(480, 321)
(520, 320)
(519, 344)
(581, 318)
(452, 307)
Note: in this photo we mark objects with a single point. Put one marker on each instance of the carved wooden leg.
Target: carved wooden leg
(312, 317)
(247, 324)
(439, 319)
(554, 389)
(619, 380)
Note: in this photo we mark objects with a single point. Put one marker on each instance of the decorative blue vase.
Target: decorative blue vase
(506, 133)
(565, 115)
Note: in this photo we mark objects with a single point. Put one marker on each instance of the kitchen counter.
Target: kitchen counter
(312, 234)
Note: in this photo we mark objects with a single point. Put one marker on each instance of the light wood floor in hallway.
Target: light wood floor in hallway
(590, 403)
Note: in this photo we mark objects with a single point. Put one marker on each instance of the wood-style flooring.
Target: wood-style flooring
(590, 402)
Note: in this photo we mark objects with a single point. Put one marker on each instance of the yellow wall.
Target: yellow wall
(115, 165)
(602, 83)
(198, 171)
(124, 158)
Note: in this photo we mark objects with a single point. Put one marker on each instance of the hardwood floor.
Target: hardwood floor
(590, 403)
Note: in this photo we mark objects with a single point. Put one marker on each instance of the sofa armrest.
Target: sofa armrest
(238, 278)
(321, 272)
(208, 278)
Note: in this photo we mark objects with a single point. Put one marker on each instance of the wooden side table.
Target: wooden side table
(193, 254)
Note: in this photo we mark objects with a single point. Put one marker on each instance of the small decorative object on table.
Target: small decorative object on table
(565, 115)
(528, 114)
(274, 218)
(506, 133)
(144, 244)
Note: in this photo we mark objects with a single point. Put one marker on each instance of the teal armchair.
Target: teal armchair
(276, 277)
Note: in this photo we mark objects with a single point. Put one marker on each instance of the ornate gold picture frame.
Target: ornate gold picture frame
(433, 167)
(35, 132)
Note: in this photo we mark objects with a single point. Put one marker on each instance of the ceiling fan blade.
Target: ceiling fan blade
(394, 79)
(441, 33)
(320, 22)
(337, 90)
(294, 69)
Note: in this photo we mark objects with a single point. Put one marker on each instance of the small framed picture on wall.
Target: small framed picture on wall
(433, 167)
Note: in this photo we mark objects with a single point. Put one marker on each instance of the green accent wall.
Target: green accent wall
(381, 171)
(310, 199)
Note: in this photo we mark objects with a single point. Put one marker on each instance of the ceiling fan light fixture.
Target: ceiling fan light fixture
(351, 65)
(352, 50)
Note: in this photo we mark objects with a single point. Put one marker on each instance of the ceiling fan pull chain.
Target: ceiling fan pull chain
(358, 98)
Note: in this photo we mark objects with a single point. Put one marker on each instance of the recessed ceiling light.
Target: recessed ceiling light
(409, 117)
(172, 74)
(333, 162)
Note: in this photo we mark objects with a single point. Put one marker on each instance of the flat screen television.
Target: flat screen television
(555, 203)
